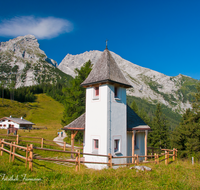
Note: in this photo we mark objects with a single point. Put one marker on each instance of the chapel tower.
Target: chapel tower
(106, 111)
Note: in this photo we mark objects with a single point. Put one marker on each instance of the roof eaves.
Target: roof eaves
(104, 82)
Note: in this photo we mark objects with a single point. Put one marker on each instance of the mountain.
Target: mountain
(23, 63)
(174, 92)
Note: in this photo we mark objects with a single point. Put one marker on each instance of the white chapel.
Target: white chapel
(110, 126)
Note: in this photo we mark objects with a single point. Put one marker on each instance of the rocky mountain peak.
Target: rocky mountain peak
(22, 57)
(174, 92)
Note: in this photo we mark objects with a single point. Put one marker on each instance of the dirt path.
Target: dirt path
(60, 139)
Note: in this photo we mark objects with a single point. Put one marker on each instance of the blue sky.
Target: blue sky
(156, 34)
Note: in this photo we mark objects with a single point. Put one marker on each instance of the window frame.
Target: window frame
(117, 93)
(96, 92)
(119, 139)
(96, 142)
(136, 146)
(116, 145)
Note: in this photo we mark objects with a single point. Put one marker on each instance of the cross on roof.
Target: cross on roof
(106, 44)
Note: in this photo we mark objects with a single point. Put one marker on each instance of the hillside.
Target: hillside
(23, 63)
(142, 104)
(45, 111)
(174, 92)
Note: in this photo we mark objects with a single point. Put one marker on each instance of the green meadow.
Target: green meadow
(48, 175)
(46, 112)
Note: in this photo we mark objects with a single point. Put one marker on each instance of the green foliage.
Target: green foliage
(74, 102)
(186, 137)
(134, 107)
(149, 109)
(159, 136)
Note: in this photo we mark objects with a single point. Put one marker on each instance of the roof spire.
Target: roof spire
(106, 44)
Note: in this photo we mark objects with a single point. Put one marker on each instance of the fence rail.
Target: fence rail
(43, 142)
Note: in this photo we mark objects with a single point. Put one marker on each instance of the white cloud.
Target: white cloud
(41, 28)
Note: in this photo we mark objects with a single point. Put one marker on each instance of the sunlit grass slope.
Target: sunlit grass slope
(14, 108)
(44, 112)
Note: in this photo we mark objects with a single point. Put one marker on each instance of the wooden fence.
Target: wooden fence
(34, 140)
(134, 159)
(12, 152)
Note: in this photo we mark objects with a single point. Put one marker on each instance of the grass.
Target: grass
(14, 108)
(177, 175)
(45, 111)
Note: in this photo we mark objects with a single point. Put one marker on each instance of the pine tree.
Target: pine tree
(134, 107)
(186, 136)
(74, 102)
(159, 136)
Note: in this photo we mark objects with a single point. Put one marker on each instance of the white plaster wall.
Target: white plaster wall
(96, 126)
(129, 146)
(117, 128)
(105, 121)
(7, 123)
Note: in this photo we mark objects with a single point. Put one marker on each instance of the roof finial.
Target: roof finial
(106, 44)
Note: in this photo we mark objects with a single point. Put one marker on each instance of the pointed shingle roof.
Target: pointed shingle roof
(106, 70)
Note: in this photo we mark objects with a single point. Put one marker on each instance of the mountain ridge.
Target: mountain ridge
(23, 63)
(147, 84)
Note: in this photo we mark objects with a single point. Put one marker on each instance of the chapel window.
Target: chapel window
(96, 89)
(116, 145)
(96, 144)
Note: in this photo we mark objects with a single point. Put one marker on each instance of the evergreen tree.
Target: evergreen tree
(145, 117)
(134, 107)
(186, 137)
(159, 136)
(74, 102)
(141, 113)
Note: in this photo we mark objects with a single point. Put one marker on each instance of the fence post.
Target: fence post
(10, 151)
(174, 154)
(64, 146)
(137, 159)
(76, 160)
(2, 146)
(17, 139)
(31, 157)
(79, 161)
(13, 156)
(155, 158)
(26, 154)
(110, 160)
(42, 142)
(166, 157)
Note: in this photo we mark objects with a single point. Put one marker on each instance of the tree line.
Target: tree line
(27, 94)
